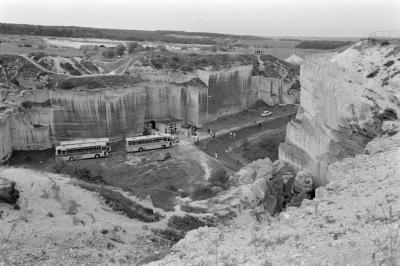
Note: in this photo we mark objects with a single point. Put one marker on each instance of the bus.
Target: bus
(85, 141)
(150, 142)
(82, 149)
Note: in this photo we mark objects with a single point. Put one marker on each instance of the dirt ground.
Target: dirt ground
(140, 173)
(189, 166)
(252, 141)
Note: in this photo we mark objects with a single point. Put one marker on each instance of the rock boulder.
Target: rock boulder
(8, 192)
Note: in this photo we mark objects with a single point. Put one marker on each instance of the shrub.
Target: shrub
(185, 223)
(219, 178)
(132, 46)
(373, 73)
(188, 208)
(67, 85)
(203, 192)
(384, 43)
(120, 49)
(389, 63)
(110, 53)
(170, 234)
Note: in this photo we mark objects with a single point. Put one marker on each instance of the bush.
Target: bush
(373, 73)
(389, 63)
(132, 46)
(192, 209)
(67, 85)
(170, 234)
(110, 53)
(120, 49)
(203, 192)
(185, 223)
(219, 178)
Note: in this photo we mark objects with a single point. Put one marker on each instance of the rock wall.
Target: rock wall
(343, 106)
(44, 114)
(5, 140)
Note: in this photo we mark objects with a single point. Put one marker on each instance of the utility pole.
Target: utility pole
(207, 106)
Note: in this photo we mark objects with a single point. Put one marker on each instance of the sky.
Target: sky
(314, 18)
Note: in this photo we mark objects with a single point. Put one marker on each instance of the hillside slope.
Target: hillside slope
(344, 100)
(351, 221)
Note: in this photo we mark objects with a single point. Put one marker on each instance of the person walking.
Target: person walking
(216, 155)
(230, 134)
(234, 135)
(259, 123)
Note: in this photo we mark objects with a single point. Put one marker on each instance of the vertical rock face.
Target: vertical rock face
(229, 91)
(47, 107)
(31, 128)
(103, 113)
(343, 105)
(5, 139)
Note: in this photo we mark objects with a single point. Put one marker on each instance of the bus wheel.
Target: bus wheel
(140, 149)
(71, 159)
(163, 146)
(97, 156)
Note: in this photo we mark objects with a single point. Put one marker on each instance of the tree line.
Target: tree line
(115, 34)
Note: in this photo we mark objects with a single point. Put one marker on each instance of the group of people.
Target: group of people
(211, 132)
(257, 122)
(232, 135)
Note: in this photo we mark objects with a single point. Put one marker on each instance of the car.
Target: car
(266, 113)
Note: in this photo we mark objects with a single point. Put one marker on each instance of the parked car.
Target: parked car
(266, 113)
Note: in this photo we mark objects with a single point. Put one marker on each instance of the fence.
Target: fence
(392, 36)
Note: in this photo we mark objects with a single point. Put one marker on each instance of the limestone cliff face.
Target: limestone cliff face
(47, 107)
(344, 100)
(5, 139)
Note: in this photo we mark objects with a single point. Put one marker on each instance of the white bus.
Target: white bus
(142, 143)
(82, 150)
(86, 141)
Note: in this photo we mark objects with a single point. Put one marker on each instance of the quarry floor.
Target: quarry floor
(189, 166)
(252, 141)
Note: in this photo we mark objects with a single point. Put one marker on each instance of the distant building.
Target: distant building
(168, 125)
(259, 50)
(294, 59)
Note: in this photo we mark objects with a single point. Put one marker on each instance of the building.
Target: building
(259, 50)
(164, 125)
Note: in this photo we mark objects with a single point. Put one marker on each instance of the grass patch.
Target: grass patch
(185, 223)
(192, 209)
(322, 44)
(169, 234)
(120, 203)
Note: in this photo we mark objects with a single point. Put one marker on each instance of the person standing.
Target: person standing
(216, 155)
(230, 134)
(234, 135)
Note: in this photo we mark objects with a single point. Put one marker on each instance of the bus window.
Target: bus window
(58, 152)
(104, 148)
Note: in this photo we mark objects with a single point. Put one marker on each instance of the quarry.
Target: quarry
(314, 182)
